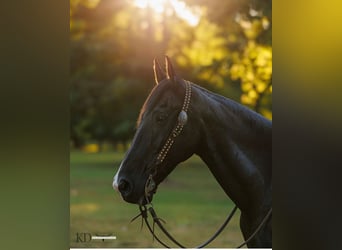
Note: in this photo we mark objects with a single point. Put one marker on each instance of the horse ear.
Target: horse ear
(159, 75)
(170, 73)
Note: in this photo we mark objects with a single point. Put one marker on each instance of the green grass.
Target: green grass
(189, 200)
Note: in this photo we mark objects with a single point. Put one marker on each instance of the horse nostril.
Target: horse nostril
(124, 187)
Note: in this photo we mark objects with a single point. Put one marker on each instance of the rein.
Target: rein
(157, 220)
(150, 185)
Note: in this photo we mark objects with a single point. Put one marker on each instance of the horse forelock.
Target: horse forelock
(154, 98)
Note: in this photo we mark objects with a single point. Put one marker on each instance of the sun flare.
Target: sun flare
(190, 15)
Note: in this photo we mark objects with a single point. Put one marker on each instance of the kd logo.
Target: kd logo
(83, 237)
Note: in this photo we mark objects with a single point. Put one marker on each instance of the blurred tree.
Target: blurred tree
(231, 46)
(222, 45)
(253, 65)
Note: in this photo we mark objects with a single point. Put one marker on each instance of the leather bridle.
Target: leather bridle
(150, 185)
(181, 121)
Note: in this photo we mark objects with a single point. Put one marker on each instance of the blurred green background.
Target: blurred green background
(190, 201)
(224, 46)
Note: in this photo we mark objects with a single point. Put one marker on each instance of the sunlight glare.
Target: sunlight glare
(157, 5)
(190, 15)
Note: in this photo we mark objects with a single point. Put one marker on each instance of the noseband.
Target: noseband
(150, 184)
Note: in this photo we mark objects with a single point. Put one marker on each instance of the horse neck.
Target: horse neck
(236, 145)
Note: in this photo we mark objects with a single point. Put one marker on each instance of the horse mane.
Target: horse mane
(222, 107)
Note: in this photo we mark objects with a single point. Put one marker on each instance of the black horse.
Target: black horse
(180, 119)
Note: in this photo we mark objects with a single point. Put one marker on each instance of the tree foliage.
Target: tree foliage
(226, 48)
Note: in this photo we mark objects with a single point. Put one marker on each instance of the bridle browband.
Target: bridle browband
(150, 185)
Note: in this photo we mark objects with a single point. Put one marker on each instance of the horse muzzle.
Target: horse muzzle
(132, 194)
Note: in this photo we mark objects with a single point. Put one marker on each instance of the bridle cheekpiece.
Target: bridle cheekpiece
(181, 121)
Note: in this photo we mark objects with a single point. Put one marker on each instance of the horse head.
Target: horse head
(166, 135)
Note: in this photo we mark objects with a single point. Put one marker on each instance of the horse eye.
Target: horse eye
(161, 117)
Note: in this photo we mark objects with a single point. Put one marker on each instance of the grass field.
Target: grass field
(189, 200)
